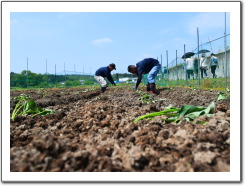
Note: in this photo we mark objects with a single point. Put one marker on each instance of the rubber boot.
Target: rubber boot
(148, 87)
(102, 90)
(153, 88)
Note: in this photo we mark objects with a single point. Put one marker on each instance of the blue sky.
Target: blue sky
(85, 41)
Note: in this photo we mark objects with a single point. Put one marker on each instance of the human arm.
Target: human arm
(109, 77)
(138, 81)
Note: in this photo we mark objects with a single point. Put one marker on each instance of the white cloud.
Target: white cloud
(101, 42)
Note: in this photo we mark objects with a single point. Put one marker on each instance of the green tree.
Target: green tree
(27, 72)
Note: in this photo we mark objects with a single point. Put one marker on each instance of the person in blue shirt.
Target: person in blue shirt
(102, 73)
(213, 64)
(148, 65)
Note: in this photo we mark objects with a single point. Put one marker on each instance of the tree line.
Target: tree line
(27, 79)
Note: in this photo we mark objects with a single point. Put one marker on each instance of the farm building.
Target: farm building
(128, 79)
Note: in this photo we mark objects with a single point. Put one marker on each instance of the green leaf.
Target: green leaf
(46, 112)
(206, 111)
(210, 108)
(165, 112)
(39, 109)
(29, 105)
(169, 120)
(187, 112)
(19, 105)
(186, 109)
(203, 122)
(221, 96)
(194, 115)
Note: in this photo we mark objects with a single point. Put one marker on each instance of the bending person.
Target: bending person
(148, 65)
(103, 72)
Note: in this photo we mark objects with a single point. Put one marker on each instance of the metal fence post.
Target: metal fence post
(198, 61)
(177, 67)
(27, 75)
(55, 76)
(186, 78)
(46, 75)
(226, 67)
(167, 67)
(161, 71)
(65, 74)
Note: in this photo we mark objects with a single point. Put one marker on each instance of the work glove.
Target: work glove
(134, 87)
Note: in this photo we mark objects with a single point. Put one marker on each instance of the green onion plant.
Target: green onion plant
(186, 112)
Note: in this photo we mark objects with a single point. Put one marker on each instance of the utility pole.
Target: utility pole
(167, 66)
(46, 75)
(185, 67)
(55, 76)
(210, 45)
(226, 68)
(27, 75)
(198, 61)
(176, 67)
(161, 70)
(65, 72)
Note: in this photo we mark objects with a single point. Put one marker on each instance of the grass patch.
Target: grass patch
(211, 83)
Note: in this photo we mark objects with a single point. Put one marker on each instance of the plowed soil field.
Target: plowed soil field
(95, 132)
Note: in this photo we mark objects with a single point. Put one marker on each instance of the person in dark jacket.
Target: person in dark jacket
(148, 65)
(102, 73)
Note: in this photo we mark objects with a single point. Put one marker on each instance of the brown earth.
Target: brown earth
(95, 132)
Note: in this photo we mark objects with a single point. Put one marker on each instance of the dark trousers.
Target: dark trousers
(196, 73)
(203, 70)
(189, 73)
(213, 68)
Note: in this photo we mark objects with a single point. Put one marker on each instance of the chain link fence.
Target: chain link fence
(174, 73)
